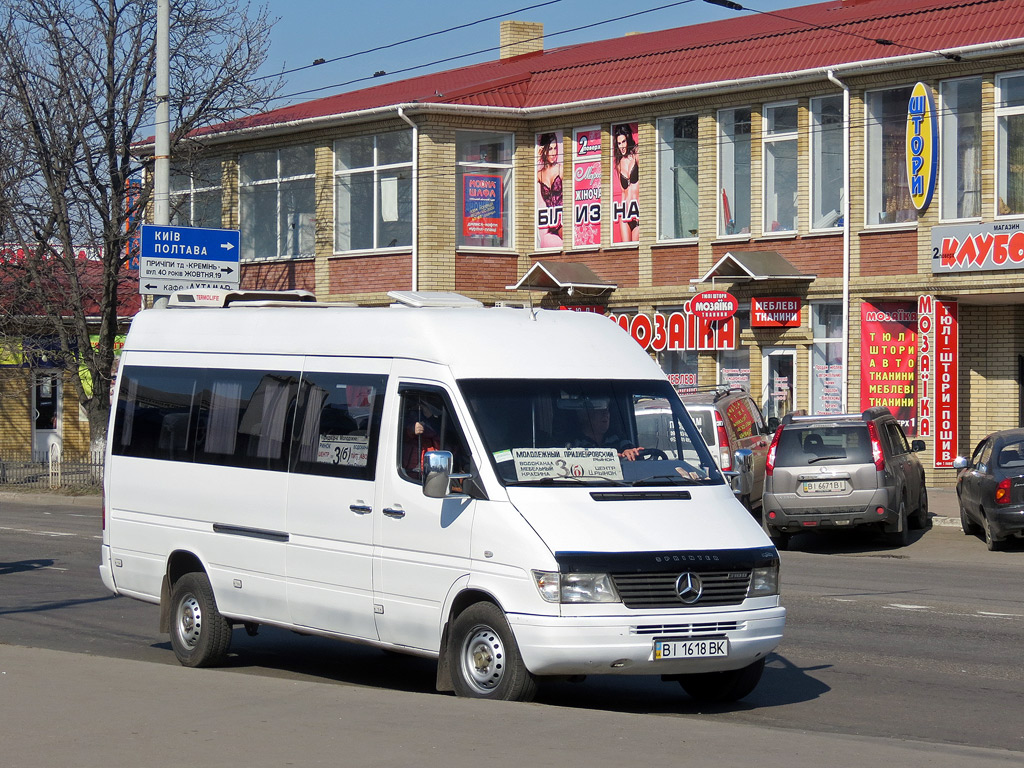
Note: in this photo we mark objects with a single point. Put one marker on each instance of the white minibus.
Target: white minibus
(476, 485)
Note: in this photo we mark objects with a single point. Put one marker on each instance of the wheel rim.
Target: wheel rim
(483, 659)
(189, 621)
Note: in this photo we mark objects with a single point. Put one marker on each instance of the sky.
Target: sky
(308, 30)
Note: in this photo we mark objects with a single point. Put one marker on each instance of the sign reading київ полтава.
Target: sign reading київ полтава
(186, 258)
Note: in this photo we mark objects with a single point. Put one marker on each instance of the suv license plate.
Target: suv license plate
(824, 486)
(691, 649)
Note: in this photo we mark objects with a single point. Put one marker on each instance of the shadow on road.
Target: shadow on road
(24, 565)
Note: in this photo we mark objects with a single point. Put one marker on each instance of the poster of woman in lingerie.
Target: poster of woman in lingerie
(625, 184)
(548, 194)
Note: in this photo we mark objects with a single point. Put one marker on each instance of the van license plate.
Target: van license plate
(824, 486)
(690, 649)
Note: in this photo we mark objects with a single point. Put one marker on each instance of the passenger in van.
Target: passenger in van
(421, 433)
(594, 423)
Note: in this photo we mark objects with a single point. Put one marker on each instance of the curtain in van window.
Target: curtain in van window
(222, 422)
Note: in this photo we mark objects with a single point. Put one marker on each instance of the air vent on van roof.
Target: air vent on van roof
(432, 299)
(218, 297)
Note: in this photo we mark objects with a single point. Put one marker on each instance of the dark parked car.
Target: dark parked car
(990, 488)
(827, 473)
(729, 420)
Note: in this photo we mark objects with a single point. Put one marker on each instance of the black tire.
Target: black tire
(901, 538)
(484, 658)
(921, 517)
(993, 544)
(723, 687)
(200, 636)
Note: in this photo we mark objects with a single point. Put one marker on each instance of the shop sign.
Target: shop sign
(679, 330)
(946, 382)
(481, 214)
(888, 336)
(978, 247)
(714, 305)
(925, 363)
(922, 144)
(775, 312)
(586, 187)
(597, 309)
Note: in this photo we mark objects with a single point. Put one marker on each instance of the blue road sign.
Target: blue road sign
(185, 258)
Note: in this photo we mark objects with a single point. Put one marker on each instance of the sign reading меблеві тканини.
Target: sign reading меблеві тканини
(186, 258)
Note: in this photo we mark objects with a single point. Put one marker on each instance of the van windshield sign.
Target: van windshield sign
(546, 463)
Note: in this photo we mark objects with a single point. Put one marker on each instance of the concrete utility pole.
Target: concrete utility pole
(162, 156)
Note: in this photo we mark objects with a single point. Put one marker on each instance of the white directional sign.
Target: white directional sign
(185, 258)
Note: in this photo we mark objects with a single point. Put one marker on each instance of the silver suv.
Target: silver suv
(729, 420)
(825, 473)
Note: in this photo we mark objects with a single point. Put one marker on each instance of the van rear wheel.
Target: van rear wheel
(723, 687)
(200, 636)
(484, 658)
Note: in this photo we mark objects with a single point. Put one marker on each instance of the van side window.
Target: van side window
(245, 418)
(428, 425)
(155, 413)
(338, 424)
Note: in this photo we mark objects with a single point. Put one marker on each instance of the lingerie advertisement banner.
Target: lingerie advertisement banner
(888, 353)
(625, 184)
(586, 187)
(548, 191)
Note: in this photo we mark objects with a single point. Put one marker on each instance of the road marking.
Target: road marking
(37, 533)
(904, 607)
(930, 609)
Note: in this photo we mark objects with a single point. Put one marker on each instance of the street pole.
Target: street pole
(162, 156)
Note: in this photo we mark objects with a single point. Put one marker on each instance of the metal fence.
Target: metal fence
(52, 471)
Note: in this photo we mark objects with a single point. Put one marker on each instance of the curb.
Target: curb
(52, 499)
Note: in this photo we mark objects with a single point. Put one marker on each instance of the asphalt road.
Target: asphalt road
(910, 655)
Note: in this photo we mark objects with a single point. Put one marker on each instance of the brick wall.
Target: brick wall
(674, 265)
(887, 253)
(485, 272)
(369, 274)
(279, 275)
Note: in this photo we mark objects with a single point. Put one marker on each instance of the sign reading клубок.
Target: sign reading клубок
(187, 258)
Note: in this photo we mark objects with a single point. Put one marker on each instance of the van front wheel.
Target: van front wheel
(484, 658)
(200, 636)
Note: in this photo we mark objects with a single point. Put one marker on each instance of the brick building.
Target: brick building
(759, 163)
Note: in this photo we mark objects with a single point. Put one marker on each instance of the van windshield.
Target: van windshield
(570, 431)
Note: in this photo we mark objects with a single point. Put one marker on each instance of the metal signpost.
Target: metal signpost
(185, 258)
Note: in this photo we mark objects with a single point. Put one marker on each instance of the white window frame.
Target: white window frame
(379, 171)
(769, 193)
(815, 306)
(666, 189)
(871, 188)
(726, 151)
(189, 194)
(506, 170)
(949, 151)
(821, 220)
(276, 182)
(1001, 113)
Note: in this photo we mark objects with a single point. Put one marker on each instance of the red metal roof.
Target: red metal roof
(751, 45)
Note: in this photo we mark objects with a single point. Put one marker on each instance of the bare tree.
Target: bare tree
(77, 84)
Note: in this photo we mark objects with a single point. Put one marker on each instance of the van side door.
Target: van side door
(331, 512)
(423, 544)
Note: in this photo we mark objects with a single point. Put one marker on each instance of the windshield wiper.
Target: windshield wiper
(556, 480)
(676, 479)
(825, 458)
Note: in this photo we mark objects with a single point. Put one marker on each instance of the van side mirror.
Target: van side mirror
(742, 476)
(438, 475)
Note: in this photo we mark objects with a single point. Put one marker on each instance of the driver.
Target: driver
(594, 423)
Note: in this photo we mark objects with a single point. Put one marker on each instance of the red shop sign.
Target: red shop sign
(775, 312)
(714, 305)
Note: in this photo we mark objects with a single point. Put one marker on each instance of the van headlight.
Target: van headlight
(557, 587)
(764, 581)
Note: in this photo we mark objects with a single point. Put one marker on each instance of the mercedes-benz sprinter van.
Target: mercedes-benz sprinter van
(436, 478)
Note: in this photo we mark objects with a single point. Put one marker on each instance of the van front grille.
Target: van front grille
(658, 590)
(705, 629)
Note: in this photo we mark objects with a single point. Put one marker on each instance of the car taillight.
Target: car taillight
(769, 462)
(1003, 492)
(876, 447)
(724, 451)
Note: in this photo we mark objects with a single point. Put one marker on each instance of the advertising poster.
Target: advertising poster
(888, 349)
(548, 192)
(586, 187)
(481, 213)
(925, 364)
(625, 184)
(945, 381)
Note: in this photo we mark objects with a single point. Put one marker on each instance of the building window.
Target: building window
(826, 357)
(1010, 144)
(888, 192)
(960, 134)
(734, 171)
(483, 189)
(780, 171)
(277, 203)
(677, 178)
(196, 195)
(828, 150)
(734, 364)
(373, 192)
